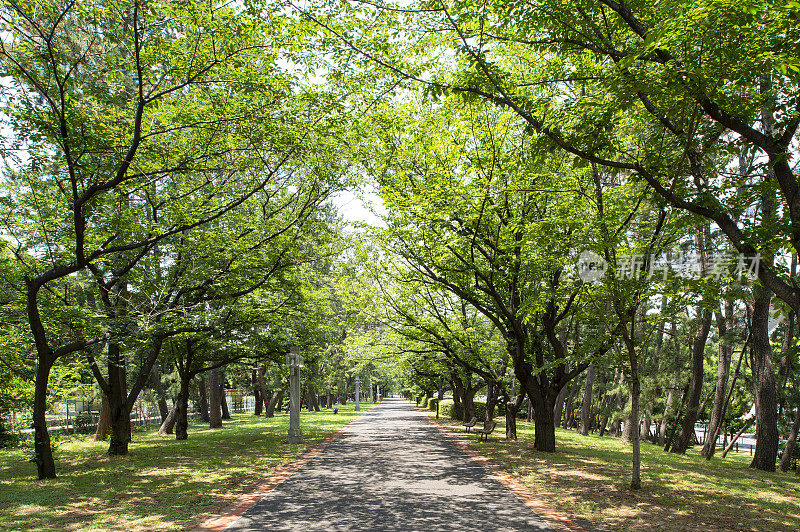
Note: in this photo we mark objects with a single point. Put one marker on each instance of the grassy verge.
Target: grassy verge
(588, 478)
(161, 484)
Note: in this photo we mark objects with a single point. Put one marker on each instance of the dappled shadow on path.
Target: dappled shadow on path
(391, 470)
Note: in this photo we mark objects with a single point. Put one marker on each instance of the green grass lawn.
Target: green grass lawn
(161, 484)
(588, 478)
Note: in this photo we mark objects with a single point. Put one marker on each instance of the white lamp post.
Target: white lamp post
(295, 362)
(358, 405)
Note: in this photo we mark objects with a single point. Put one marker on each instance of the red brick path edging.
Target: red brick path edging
(247, 500)
(555, 519)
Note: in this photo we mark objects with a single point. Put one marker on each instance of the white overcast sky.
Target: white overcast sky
(358, 207)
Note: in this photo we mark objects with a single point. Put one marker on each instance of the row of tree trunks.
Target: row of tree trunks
(669, 408)
(586, 405)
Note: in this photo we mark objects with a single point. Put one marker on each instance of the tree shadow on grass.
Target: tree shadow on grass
(161, 484)
(588, 476)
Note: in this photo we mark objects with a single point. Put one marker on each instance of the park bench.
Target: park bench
(488, 427)
(469, 424)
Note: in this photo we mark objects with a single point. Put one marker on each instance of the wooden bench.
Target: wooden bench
(469, 424)
(488, 427)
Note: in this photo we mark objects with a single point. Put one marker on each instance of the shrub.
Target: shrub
(7, 438)
(480, 409)
(83, 423)
(424, 403)
(432, 403)
(448, 408)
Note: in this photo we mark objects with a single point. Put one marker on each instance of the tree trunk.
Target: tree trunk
(512, 407)
(674, 430)
(119, 414)
(733, 440)
(202, 388)
(545, 429)
(631, 423)
(215, 409)
(491, 401)
(786, 459)
(785, 362)
(724, 325)
(633, 359)
(763, 384)
(458, 392)
(764, 391)
(277, 395)
(619, 403)
(313, 402)
(687, 434)
(586, 405)
(644, 433)
(259, 406)
(103, 422)
(603, 425)
(569, 415)
(182, 414)
(558, 410)
(261, 372)
(169, 424)
(662, 429)
(469, 398)
(45, 464)
(161, 396)
(223, 401)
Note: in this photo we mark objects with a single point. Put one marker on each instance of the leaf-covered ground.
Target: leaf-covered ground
(161, 484)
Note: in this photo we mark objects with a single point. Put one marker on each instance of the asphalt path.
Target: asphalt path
(390, 470)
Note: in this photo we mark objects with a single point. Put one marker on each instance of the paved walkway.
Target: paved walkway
(390, 470)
